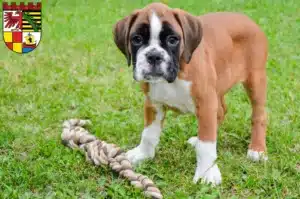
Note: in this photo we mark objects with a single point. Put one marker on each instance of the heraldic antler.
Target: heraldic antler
(101, 152)
(11, 20)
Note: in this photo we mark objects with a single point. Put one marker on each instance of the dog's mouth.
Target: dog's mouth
(160, 78)
(155, 74)
(154, 77)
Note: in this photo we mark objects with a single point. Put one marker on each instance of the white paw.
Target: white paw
(211, 175)
(136, 155)
(256, 156)
(207, 170)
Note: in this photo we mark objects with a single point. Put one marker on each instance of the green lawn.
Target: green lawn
(77, 71)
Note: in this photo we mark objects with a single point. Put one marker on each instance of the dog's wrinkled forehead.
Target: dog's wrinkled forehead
(154, 17)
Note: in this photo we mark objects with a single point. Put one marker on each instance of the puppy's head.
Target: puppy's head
(155, 39)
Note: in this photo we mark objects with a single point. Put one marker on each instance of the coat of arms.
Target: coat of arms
(22, 25)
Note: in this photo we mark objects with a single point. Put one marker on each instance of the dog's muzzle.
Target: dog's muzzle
(155, 60)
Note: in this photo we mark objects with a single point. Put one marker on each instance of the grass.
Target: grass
(77, 71)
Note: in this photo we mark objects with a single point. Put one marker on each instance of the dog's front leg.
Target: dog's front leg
(153, 116)
(206, 141)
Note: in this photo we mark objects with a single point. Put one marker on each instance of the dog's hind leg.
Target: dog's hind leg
(256, 87)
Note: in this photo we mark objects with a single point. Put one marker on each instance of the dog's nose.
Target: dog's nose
(154, 58)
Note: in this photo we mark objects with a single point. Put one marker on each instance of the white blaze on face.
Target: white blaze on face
(142, 65)
(155, 29)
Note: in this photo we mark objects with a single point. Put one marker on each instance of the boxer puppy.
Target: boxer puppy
(189, 63)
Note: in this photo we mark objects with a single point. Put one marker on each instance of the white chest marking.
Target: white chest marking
(176, 95)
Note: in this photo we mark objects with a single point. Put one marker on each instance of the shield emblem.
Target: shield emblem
(22, 26)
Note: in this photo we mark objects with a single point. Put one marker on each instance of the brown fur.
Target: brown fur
(233, 49)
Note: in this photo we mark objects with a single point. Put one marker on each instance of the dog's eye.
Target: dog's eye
(137, 40)
(173, 41)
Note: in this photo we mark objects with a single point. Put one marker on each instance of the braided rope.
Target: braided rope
(99, 152)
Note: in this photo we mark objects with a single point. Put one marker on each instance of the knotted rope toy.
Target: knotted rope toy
(100, 152)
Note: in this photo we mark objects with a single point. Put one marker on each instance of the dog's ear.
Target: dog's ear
(192, 32)
(121, 34)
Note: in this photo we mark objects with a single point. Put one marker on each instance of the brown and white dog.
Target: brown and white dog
(188, 63)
